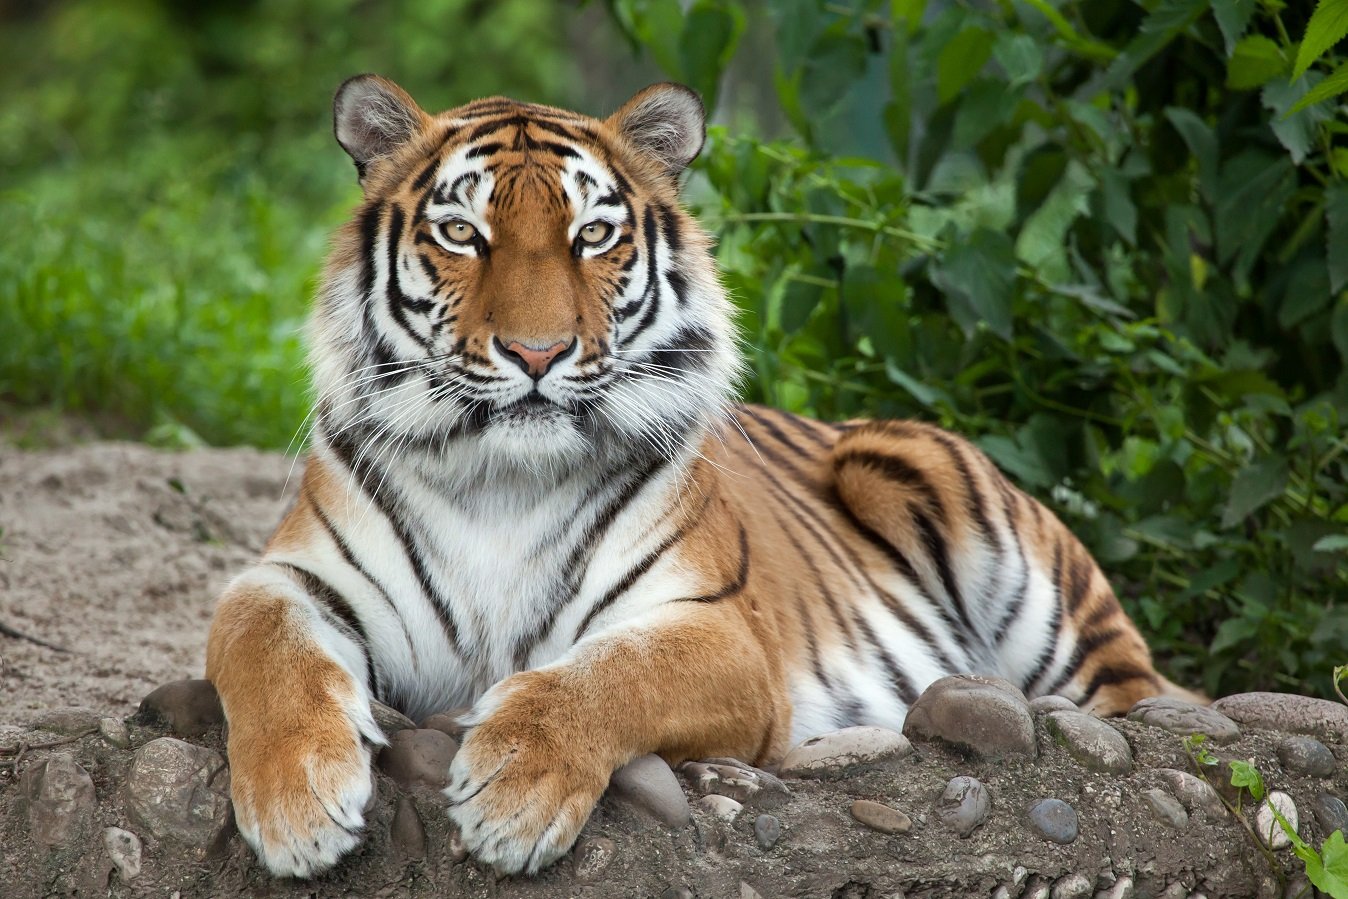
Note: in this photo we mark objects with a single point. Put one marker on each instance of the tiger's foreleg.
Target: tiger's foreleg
(293, 691)
(691, 682)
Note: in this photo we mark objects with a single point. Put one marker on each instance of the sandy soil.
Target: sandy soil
(116, 551)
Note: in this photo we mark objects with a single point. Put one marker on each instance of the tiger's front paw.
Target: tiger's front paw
(521, 788)
(299, 797)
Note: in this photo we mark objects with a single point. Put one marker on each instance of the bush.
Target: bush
(1108, 241)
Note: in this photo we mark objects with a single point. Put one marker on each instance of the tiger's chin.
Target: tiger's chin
(535, 434)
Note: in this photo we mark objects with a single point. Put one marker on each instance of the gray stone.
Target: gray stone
(1121, 889)
(1054, 820)
(1092, 742)
(187, 708)
(748, 892)
(407, 833)
(1184, 718)
(114, 731)
(1266, 825)
(1306, 755)
(1176, 890)
(767, 830)
(1041, 705)
(61, 800)
(1073, 886)
(389, 719)
(448, 721)
(740, 781)
(1287, 712)
(985, 716)
(1330, 813)
(648, 784)
(69, 721)
(592, 856)
(722, 807)
(1166, 808)
(1194, 794)
(123, 847)
(878, 816)
(678, 893)
(418, 758)
(1037, 888)
(963, 805)
(838, 752)
(179, 793)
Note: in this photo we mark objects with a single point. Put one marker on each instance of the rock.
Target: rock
(1306, 755)
(61, 800)
(70, 721)
(1330, 813)
(114, 731)
(1176, 890)
(1287, 712)
(1037, 888)
(1193, 793)
(648, 784)
(123, 847)
(1073, 886)
(722, 807)
(1166, 808)
(964, 805)
(748, 892)
(407, 833)
(1121, 889)
(1266, 825)
(881, 817)
(418, 758)
(838, 752)
(1052, 703)
(187, 708)
(448, 722)
(740, 781)
(389, 719)
(1184, 718)
(1054, 820)
(678, 893)
(592, 856)
(179, 793)
(1091, 742)
(767, 831)
(985, 716)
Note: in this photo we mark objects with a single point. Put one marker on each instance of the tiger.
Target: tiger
(530, 492)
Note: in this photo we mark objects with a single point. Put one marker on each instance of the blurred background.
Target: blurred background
(1108, 240)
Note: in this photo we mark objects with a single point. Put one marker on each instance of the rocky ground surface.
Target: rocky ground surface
(114, 552)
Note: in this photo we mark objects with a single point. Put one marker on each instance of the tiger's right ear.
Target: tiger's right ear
(372, 117)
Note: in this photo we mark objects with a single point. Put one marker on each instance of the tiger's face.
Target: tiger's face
(520, 281)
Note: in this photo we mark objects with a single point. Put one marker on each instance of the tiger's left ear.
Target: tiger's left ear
(372, 117)
(666, 122)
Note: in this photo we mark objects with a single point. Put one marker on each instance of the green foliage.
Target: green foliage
(170, 182)
(1048, 226)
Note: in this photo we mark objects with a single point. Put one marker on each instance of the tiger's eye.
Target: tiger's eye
(595, 233)
(458, 231)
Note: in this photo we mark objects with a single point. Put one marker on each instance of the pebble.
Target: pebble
(1091, 742)
(448, 722)
(767, 831)
(407, 833)
(985, 716)
(114, 731)
(878, 816)
(1306, 755)
(592, 856)
(1054, 820)
(1176, 890)
(1184, 718)
(1266, 826)
(418, 758)
(187, 708)
(1037, 888)
(61, 799)
(1193, 793)
(740, 781)
(841, 751)
(69, 721)
(1330, 813)
(1287, 712)
(722, 807)
(179, 792)
(123, 847)
(1052, 703)
(1073, 886)
(1166, 808)
(964, 804)
(389, 719)
(648, 784)
(1122, 889)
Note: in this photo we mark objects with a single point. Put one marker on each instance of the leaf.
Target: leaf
(1247, 776)
(1295, 131)
(710, 33)
(1336, 234)
(1328, 871)
(1019, 55)
(1327, 26)
(1338, 329)
(1074, 41)
(1332, 544)
(1256, 61)
(1202, 144)
(961, 60)
(1334, 85)
(976, 275)
(909, 11)
(1254, 487)
(834, 63)
(1043, 238)
(1233, 17)
(1119, 209)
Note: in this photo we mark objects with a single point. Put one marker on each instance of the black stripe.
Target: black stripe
(895, 469)
(736, 584)
(805, 430)
(1078, 579)
(398, 302)
(651, 296)
(1109, 676)
(973, 497)
(629, 578)
(367, 224)
(776, 432)
(327, 598)
(897, 679)
(1083, 649)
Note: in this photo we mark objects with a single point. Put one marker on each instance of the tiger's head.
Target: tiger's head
(520, 281)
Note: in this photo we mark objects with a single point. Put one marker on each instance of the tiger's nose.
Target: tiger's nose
(535, 362)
